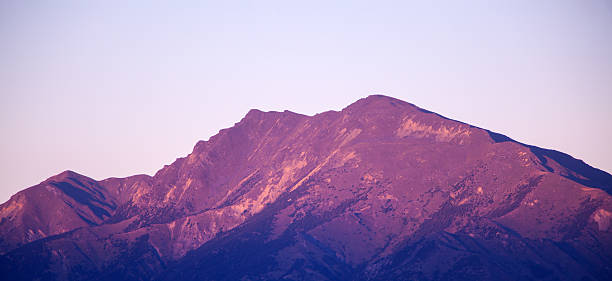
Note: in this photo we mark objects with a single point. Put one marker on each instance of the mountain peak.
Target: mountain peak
(65, 175)
(257, 114)
(382, 97)
(380, 102)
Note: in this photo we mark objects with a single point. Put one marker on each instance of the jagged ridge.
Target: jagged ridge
(380, 190)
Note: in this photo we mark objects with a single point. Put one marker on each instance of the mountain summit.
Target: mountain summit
(381, 190)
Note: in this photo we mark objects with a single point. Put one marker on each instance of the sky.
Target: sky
(116, 88)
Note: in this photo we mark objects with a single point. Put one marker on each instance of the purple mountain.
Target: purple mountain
(382, 190)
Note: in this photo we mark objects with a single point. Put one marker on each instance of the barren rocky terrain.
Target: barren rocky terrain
(382, 190)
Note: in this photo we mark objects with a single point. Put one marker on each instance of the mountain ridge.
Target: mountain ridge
(284, 179)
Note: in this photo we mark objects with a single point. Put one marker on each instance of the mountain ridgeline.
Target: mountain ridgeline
(382, 190)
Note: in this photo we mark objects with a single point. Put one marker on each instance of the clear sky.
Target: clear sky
(115, 88)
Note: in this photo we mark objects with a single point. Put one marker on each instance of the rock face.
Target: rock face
(382, 190)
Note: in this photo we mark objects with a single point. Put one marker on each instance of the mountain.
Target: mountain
(382, 190)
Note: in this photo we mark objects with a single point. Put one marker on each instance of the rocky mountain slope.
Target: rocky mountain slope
(382, 190)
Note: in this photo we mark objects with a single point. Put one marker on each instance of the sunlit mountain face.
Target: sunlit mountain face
(382, 190)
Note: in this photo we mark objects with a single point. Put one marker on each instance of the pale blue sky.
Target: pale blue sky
(108, 88)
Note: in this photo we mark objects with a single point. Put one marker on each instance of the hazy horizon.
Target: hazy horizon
(112, 89)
